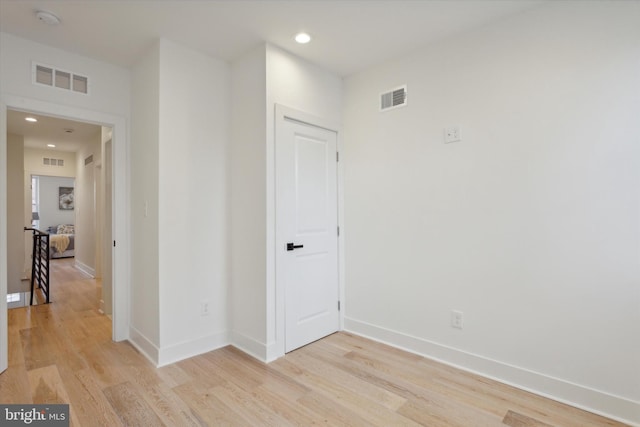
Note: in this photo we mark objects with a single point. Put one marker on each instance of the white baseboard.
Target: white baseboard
(184, 350)
(273, 352)
(250, 346)
(85, 268)
(164, 356)
(144, 346)
(615, 407)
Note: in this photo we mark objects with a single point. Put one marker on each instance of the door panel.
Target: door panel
(307, 215)
(311, 185)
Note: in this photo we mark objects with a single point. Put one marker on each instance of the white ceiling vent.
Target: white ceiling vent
(52, 162)
(53, 77)
(394, 98)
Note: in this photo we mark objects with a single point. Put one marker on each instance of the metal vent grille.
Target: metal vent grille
(394, 98)
(53, 77)
(88, 160)
(52, 162)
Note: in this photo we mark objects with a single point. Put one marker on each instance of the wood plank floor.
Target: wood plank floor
(63, 353)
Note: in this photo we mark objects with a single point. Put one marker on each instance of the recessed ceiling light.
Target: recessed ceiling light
(47, 17)
(303, 38)
(31, 119)
(51, 145)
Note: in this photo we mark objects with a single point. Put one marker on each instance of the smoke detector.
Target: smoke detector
(47, 17)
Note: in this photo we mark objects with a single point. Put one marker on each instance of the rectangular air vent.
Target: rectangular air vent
(53, 77)
(88, 160)
(394, 98)
(52, 162)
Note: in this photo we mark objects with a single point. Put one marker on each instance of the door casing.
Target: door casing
(120, 207)
(281, 113)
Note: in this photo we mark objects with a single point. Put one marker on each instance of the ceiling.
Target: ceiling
(50, 130)
(348, 35)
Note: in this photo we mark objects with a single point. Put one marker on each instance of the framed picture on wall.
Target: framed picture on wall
(65, 198)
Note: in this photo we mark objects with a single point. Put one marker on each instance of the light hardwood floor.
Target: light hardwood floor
(63, 353)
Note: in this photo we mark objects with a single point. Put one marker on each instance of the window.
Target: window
(35, 201)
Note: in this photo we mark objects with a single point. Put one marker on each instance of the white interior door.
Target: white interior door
(306, 231)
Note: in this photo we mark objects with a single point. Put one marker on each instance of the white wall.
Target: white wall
(145, 116)
(192, 210)
(109, 83)
(180, 140)
(248, 202)
(85, 204)
(301, 85)
(15, 213)
(50, 212)
(529, 225)
(33, 163)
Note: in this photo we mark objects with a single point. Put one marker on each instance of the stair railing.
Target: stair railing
(40, 262)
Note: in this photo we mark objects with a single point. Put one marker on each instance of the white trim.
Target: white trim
(596, 401)
(184, 350)
(144, 345)
(283, 112)
(89, 271)
(277, 348)
(250, 346)
(4, 328)
(341, 226)
(272, 352)
(120, 204)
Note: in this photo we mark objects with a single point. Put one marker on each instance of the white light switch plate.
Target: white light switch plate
(452, 134)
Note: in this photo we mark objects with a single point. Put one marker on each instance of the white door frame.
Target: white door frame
(120, 206)
(282, 113)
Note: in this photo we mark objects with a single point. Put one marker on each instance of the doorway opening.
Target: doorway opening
(119, 197)
(64, 193)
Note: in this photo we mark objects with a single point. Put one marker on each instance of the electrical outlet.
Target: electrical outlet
(452, 134)
(204, 308)
(457, 319)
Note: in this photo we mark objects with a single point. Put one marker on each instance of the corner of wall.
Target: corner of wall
(184, 350)
(144, 345)
(250, 346)
(247, 202)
